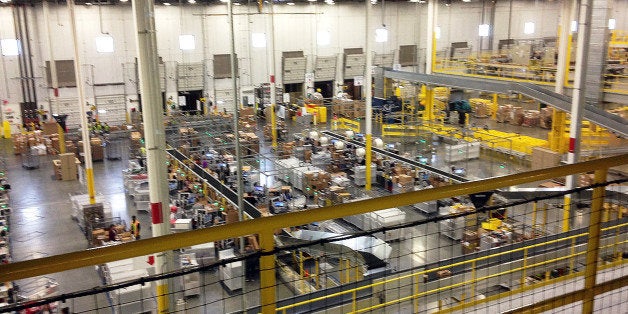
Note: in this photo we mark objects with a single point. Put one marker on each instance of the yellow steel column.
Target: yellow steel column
(567, 59)
(354, 301)
(347, 271)
(89, 176)
(267, 272)
(428, 112)
(415, 299)
(557, 134)
(162, 296)
(566, 212)
(61, 133)
(273, 125)
(6, 129)
(593, 245)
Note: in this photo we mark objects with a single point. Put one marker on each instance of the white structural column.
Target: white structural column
(271, 75)
(155, 139)
(368, 92)
(432, 9)
(578, 100)
(563, 45)
(236, 126)
(49, 42)
(87, 149)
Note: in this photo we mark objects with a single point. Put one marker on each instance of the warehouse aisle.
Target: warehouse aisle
(41, 222)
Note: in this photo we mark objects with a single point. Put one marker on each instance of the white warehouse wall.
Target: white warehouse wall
(295, 29)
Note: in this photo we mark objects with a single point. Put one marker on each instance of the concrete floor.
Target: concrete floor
(42, 226)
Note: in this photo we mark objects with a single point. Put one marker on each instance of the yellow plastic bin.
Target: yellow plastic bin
(322, 114)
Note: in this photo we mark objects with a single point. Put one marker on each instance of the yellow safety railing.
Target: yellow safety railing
(613, 83)
(417, 277)
(346, 124)
(402, 130)
(265, 228)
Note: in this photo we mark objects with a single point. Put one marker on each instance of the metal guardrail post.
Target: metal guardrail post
(593, 245)
(267, 272)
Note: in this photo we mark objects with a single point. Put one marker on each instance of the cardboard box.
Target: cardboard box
(470, 236)
(469, 247)
(544, 158)
(404, 179)
(443, 273)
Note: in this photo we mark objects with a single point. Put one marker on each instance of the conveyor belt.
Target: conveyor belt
(400, 158)
(460, 273)
(232, 196)
(558, 101)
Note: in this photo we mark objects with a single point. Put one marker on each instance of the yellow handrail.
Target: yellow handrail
(469, 261)
(68, 261)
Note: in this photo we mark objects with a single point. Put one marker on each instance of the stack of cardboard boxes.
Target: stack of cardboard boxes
(247, 120)
(23, 143)
(99, 236)
(531, 118)
(350, 109)
(481, 107)
(249, 143)
(545, 117)
(66, 167)
(338, 195)
(286, 150)
(281, 130)
(69, 167)
(315, 181)
(98, 153)
(586, 179)
(470, 241)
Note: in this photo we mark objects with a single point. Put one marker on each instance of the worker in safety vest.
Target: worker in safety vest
(135, 227)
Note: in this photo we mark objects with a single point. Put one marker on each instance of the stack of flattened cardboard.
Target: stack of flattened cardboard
(544, 158)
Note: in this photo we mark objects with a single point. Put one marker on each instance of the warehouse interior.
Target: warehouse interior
(313, 156)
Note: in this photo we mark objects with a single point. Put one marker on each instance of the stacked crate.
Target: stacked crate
(68, 167)
(315, 181)
(350, 109)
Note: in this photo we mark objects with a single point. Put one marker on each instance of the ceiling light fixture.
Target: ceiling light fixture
(167, 3)
(124, 0)
(237, 3)
(466, 0)
(88, 3)
(290, 3)
(311, 0)
(191, 1)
